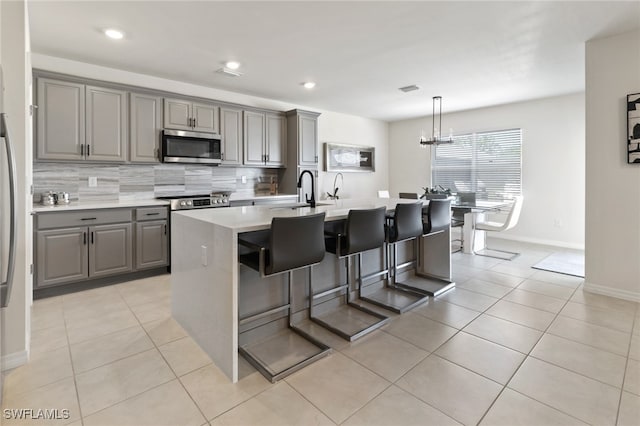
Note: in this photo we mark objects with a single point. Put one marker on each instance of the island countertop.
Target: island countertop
(254, 218)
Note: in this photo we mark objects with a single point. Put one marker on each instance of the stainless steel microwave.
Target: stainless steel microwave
(179, 146)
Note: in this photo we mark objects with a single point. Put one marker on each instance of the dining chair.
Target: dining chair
(408, 195)
(510, 221)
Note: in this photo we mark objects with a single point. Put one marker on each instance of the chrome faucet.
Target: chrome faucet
(334, 196)
(312, 200)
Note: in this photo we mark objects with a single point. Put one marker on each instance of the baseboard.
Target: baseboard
(14, 360)
(554, 243)
(632, 296)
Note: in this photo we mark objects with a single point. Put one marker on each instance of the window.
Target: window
(488, 163)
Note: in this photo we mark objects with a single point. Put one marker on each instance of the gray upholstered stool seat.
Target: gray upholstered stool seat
(291, 243)
(405, 225)
(362, 231)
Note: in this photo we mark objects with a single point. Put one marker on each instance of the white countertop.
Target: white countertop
(253, 218)
(239, 197)
(90, 205)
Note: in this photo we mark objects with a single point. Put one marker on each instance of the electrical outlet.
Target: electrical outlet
(557, 223)
(203, 255)
(93, 181)
(243, 179)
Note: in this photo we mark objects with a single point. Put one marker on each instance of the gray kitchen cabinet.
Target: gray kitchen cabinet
(110, 249)
(186, 115)
(60, 122)
(264, 139)
(254, 138)
(151, 244)
(91, 244)
(301, 148)
(231, 131)
(145, 121)
(275, 144)
(106, 124)
(308, 139)
(61, 256)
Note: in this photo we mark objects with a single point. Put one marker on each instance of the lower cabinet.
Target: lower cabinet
(61, 256)
(110, 250)
(68, 254)
(151, 244)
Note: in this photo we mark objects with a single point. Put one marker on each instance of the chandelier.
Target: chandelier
(436, 138)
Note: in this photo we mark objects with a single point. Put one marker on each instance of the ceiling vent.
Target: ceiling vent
(229, 72)
(411, 88)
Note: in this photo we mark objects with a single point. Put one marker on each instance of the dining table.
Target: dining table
(476, 210)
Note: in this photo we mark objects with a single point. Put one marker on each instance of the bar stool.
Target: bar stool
(291, 243)
(436, 221)
(405, 225)
(363, 230)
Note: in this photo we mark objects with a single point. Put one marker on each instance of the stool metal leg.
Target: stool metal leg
(259, 360)
(392, 296)
(378, 319)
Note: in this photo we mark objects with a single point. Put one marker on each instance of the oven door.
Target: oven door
(191, 147)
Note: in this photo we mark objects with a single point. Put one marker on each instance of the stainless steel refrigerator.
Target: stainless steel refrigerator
(8, 226)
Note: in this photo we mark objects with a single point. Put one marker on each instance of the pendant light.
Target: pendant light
(435, 138)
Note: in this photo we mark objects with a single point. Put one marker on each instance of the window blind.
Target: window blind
(487, 163)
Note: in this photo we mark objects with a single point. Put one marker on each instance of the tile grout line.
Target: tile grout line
(167, 362)
(73, 369)
(626, 365)
(528, 355)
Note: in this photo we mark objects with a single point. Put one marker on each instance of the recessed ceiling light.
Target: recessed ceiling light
(114, 34)
(232, 65)
(309, 85)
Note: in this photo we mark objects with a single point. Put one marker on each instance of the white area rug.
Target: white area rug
(563, 263)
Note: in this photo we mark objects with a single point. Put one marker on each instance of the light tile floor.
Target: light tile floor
(509, 346)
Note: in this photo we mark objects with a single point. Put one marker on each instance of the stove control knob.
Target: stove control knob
(218, 200)
(183, 203)
(189, 203)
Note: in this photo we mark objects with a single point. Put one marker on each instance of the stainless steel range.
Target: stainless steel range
(201, 201)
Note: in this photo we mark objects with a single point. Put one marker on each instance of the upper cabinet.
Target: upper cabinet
(79, 122)
(185, 115)
(145, 123)
(264, 139)
(276, 140)
(231, 132)
(106, 124)
(60, 133)
(302, 134)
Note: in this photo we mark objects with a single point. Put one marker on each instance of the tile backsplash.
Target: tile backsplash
(129, 182)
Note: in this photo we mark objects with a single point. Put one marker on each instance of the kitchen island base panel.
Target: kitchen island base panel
(204, 293)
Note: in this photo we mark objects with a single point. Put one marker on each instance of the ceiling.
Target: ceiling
(473, 54)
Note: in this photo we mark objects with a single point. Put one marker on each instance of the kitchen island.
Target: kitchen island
(209, 288)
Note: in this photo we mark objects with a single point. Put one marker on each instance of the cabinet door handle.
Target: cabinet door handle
(222, 155)
(195, 122)
(82, 149)
(152, 214)
(89, 218)
(88, 150)
(84, 238)
(165, 229)
(91, 237)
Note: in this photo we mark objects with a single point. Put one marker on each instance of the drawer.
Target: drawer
(82, 218)
(151, 213)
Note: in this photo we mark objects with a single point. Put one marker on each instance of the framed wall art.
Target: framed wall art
(349, 158)
(633, 128)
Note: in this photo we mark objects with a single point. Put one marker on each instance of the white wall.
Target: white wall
(332, 126)
(553, 171)
(613, 186)
(16, 73)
